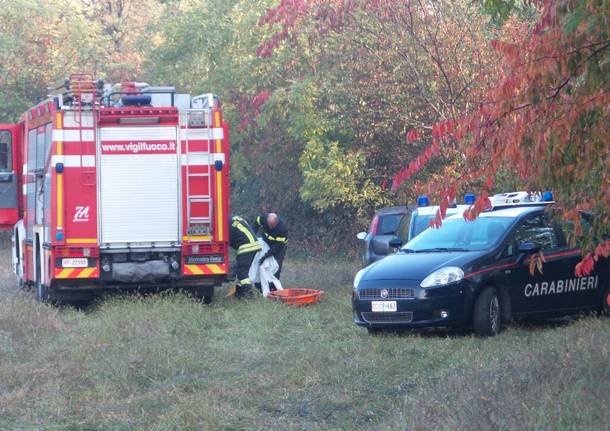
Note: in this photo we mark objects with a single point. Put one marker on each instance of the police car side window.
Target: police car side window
(541, 231)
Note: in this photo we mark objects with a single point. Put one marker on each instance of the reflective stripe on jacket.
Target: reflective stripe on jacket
(243, 239)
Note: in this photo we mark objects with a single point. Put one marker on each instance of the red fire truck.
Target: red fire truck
(117, 187)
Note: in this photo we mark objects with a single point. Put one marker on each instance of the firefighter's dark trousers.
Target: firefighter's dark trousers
(280, 261)
(244, 285)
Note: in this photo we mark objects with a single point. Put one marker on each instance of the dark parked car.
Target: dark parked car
(382, 230)
(476, 274)
(420, 219)
(401, 222)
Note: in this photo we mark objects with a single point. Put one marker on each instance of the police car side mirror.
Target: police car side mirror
(361, 236)
(528, 247)
(395, 242)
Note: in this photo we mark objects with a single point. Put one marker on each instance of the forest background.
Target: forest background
(339, 107)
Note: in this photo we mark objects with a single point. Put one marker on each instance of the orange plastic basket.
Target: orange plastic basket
(296, 296)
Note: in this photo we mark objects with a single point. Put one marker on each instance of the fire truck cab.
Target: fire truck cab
(117, 187)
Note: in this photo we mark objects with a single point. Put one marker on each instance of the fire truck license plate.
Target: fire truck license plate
(383, 305)
(74, 262)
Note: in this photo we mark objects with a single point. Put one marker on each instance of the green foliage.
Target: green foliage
(42, 42)
(501, 10)
(319, 94)
(334, 177)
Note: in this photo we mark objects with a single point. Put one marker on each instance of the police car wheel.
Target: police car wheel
(487, 317)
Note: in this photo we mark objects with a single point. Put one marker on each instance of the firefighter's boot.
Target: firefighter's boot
(244, 291)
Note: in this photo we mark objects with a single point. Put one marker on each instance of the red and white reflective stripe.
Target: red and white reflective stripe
(202, 134)
(76, 272)
(87, 161)
(84, 135)
(201, 159)
(74, 119)
(209, 269)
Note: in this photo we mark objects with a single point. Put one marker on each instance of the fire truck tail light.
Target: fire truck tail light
(75, 252)
(205, 248)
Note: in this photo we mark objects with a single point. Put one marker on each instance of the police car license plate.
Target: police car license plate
(383, 306)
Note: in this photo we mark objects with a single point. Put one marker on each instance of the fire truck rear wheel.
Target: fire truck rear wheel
(205, 295)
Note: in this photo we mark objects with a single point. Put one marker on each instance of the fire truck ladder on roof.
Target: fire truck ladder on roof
(83, 90)
(198, 225)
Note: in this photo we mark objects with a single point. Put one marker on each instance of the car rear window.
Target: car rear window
(388, 224)
(420, 224)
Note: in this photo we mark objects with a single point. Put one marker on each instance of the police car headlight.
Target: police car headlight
(357, 278)
(443, 276)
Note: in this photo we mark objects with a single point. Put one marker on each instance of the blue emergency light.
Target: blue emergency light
(423, 201)
(136, 100)
(469, 199)
(547, 196)
(59, 236)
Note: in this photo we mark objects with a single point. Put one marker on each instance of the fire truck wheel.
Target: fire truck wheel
(205, 295)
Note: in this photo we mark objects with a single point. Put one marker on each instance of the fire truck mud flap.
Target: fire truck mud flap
(136, 272)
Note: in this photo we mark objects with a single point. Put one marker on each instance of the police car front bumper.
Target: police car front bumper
(403, 304)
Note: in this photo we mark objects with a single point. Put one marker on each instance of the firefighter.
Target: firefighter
(243, 240)
(275, 234)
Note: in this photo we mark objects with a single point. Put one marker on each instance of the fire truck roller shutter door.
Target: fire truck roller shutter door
(139, 185)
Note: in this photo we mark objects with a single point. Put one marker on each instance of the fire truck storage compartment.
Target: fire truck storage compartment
(139, 186)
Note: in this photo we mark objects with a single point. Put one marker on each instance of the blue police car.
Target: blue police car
(476, 274)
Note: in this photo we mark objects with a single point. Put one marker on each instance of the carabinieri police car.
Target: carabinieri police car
(476, 274)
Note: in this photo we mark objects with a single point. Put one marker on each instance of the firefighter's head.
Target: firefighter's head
(272, 220)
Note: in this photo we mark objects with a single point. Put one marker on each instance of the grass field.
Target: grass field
(166, 362)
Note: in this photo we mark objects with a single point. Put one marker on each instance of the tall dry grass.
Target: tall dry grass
(166, 362)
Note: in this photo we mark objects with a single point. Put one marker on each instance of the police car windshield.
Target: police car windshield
(457, 234)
